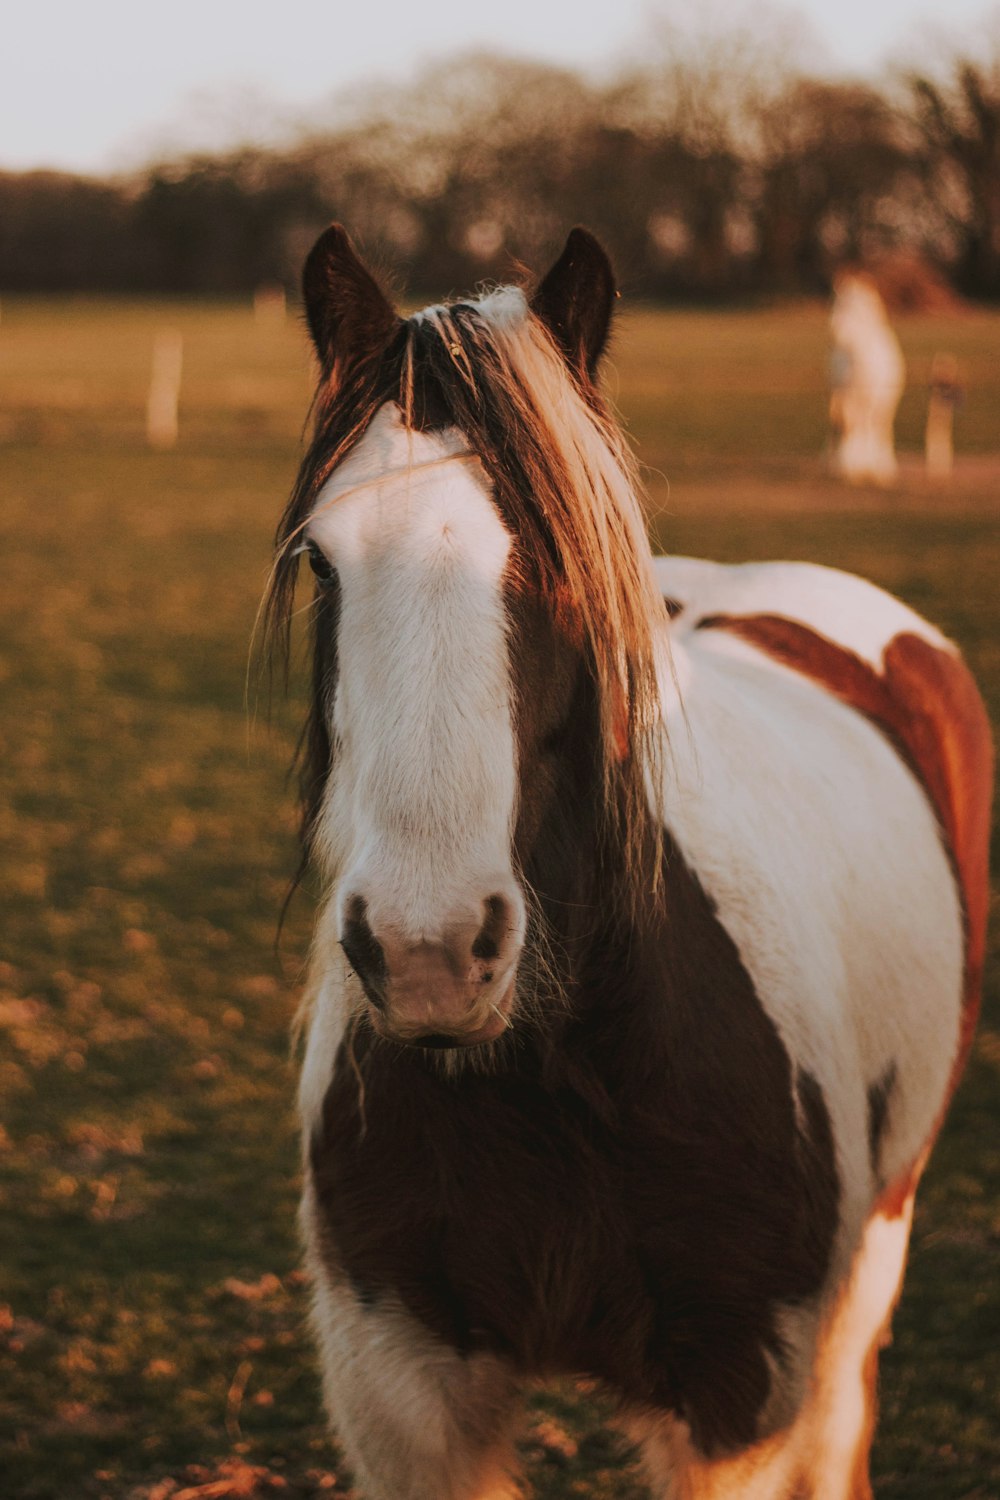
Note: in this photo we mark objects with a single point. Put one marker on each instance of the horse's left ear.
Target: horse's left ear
(349, 314)
(575, 301)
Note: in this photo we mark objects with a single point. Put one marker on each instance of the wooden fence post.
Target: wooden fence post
(164, 389)
(945, 396)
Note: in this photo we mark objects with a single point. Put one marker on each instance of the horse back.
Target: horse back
(859, 647)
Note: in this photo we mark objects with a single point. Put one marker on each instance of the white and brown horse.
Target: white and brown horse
(653, 929)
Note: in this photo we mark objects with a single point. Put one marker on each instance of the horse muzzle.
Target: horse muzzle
(432, 1011)
(439, 1029)
(456, 992)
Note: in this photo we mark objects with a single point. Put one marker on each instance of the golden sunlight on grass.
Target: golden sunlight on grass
(152, 1342)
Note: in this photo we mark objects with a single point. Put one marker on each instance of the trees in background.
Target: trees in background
(63, 233)
(721, 165)
(219, 225)
(836, 182)
(958, 120)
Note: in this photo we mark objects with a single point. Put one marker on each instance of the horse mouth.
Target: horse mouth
(438, 1041)
(496, 1023)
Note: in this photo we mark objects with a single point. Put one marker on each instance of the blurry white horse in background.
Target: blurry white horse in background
(868, 378)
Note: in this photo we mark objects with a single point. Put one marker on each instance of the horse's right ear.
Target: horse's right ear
(349, 315)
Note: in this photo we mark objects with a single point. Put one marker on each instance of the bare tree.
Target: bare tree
(958, 116)
(833, 156)
(708, 78)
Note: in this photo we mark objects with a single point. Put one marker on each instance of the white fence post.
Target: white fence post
(939, 435)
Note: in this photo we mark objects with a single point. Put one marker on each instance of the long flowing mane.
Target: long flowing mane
(567, 487)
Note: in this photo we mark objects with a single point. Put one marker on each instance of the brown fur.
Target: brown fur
(879, 1098)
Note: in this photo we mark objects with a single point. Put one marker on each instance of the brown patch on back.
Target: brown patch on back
(926, 702)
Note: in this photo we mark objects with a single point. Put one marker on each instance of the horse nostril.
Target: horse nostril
(363, 951)
(488, 940)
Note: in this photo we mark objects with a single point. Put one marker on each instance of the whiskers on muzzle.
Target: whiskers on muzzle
(537, 1003)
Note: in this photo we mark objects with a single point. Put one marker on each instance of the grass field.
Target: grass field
(151, 1310)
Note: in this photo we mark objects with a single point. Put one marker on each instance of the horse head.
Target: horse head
(482, 645)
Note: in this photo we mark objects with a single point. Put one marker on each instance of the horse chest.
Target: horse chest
(511, 1218)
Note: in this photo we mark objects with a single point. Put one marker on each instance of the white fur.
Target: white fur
(836, 1420)
(506, 307)
(328, 993)
(418, 814)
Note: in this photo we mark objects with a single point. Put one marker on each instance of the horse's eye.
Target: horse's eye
(320, 564)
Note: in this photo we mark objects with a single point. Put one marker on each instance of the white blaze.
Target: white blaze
(419, 811)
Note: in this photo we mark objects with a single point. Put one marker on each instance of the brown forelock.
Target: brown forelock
(926, 703)
(628, 1195)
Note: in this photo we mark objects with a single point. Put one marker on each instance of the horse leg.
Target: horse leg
(824, 1454)
(839, 1422)
(416, 1420)
(675, 1471)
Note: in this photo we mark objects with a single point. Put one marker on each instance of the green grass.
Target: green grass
(148, 1164)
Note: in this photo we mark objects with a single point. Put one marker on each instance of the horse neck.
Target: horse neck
(593, 909)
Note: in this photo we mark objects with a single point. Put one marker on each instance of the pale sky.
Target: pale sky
(100, 85)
